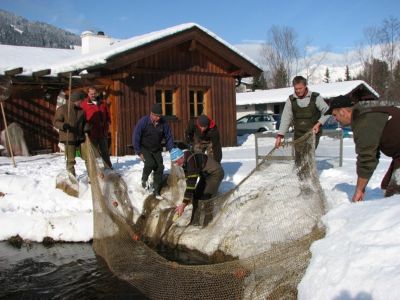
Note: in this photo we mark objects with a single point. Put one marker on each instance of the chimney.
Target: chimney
(94, 41)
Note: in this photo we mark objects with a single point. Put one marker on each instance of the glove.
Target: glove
(87, 128)
(67, 127)
(180, 209)
(141, 156)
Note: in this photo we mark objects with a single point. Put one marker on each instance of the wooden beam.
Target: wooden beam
(66, 74)
(13, 72)
(118, 76)
(41, 73)
(91, 75)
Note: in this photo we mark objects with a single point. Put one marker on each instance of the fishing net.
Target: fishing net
(269, 221)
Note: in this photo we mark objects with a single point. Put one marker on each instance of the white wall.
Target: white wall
(242, 110)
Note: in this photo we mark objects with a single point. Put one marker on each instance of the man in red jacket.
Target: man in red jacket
(97, 115)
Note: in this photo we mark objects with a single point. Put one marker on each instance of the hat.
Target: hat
(157, 109)
(77, 96)
(176, 154)
(339, 102)
(203, 121)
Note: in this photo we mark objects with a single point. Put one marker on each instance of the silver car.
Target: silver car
(255, 123)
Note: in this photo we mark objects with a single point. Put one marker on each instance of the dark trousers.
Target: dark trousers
(153, 162)
(210, 179)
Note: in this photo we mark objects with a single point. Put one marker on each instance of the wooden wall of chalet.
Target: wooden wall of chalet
(29, 107)
(180, 70)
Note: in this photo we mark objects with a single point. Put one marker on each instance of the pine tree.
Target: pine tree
(327, 76)
(259, 83)
(394, 86)
(378, 70)
(347, 74)
(280, 78)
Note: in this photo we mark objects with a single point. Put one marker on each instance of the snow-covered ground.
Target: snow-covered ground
(358, 258)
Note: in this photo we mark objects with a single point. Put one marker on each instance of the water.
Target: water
(63, 271)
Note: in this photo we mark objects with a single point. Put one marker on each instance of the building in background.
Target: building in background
(272, 101)
(186, 68)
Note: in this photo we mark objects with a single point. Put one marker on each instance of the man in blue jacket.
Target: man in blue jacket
(147, 138)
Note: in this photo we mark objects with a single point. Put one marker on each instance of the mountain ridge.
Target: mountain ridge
(18, 31)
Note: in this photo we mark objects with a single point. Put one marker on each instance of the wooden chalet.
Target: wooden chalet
(186, 68)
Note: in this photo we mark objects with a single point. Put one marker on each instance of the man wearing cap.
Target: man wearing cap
(147, 142)
(69, 120)
(197, 165)
(98, 119)
(375, 130)
(304, 109)
(203, 134)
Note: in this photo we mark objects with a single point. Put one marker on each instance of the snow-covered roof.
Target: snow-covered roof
(33, 59)
(326, 90)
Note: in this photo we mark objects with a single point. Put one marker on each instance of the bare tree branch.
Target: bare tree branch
(281, 52)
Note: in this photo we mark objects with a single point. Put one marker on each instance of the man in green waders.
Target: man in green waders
(305, 110)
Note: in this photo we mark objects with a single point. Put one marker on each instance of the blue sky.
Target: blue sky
(334, 25)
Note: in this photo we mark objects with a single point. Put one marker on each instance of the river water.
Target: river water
(62, 271)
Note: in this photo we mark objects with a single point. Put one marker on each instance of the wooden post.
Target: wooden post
(7, 135)
(68, 109)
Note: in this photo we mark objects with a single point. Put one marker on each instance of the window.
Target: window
(243, 120)
(260, 107)
(277, 108)
(166, 97)
(197, 102)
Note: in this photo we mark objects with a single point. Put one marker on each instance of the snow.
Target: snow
(16, 29)
(32, 59)
(326, 90)
(357, 259)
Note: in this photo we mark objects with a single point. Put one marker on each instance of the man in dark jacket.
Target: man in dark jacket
(375, 129)
(147, 138)
(69, 120)
(202, 133)
(197, 165)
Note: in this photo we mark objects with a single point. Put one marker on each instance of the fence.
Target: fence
(336, 134)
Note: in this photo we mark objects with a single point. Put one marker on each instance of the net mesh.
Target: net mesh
(291, 202)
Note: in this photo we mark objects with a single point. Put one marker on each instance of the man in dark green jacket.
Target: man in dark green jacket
(375, 130)
(70, 120)
(203, 178)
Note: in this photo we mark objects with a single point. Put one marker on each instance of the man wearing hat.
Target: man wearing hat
(202, 133)
(147, 138)
(375, 130)
(197, 165)
(69, 120)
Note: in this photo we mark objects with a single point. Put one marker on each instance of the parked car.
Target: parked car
(255, 123)
(331, 123)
